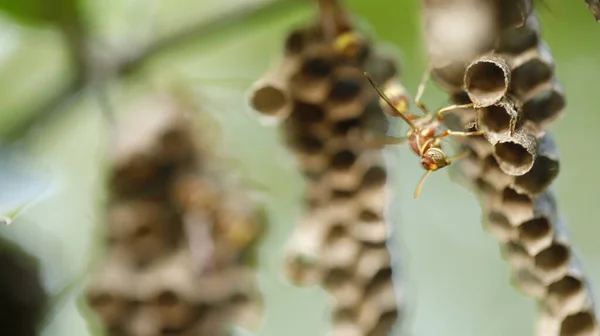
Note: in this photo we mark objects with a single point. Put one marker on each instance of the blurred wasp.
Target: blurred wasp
(423, 137)
(337, 27)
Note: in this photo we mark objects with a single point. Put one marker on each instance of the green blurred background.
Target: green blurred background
(455, 281)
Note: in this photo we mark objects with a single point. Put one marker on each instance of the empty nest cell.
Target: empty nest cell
(544, 170)
(340, 249)
(527, 283)
(515, 154)
(553, 261)
(535, 233)
(518, 207)
(500, 227)
(493, 174)
(271, 94)
(370, 228)
(530, 70)
(545, 106)
(312, 83)
(582, 323)
(518, 40)
(487, 80)
(568, 295)
(512, 13)
(451, 76)
(348, 95)
(501, 117)
(305, 114)
(143, 230)
(349, 171)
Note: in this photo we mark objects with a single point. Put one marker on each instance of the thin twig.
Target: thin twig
(129, 65)
(203, 29)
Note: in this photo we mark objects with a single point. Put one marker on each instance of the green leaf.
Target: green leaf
(39, 12)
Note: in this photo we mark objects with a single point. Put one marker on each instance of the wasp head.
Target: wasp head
(434, 159)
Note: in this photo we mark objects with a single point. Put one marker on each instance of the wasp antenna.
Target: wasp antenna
(420, 185)
(389, 102)
(459, 156)
(392, 140)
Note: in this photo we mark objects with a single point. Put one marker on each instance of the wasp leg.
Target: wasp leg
(461, 134)
(421, 89)
(440, 112)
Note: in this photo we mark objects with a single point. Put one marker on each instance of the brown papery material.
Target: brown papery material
(531, 70)
(515, 154)
(544, 170)
(502, 117)
(270, 95)
(487, 80)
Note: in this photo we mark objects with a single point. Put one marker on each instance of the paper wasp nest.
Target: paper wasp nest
(180, 237)
(509, 76)
(330, 116)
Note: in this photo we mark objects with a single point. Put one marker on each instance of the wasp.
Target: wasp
(338, 28)
(425, 134)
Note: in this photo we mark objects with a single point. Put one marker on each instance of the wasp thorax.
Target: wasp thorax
(434, 159)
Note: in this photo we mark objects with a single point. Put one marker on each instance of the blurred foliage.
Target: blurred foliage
(40, 12)
(23, 181)
(456, 282)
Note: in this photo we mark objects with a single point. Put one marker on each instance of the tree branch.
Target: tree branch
(130, 64)
(204, 29)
